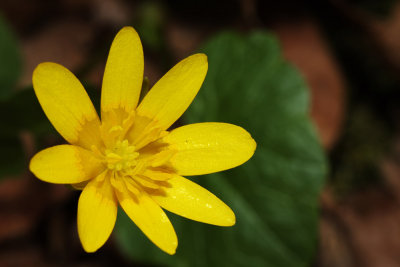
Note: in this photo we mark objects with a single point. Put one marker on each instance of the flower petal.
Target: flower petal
(65, 164)
(192, 201)
(203, 148)
(174, 92)
(66, 104)
(123, 75)
(151, 219)
(97, 213)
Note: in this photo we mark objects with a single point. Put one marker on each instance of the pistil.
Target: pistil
(121, 157)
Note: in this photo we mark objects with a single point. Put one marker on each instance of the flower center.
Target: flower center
(121, 156)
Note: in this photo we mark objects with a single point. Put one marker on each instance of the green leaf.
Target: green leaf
(10, 60)
(149, 24)
(22, 112)
(275, 194)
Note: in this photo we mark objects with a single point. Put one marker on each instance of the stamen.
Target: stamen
(146, 182)
(158, 175)
(162, 158)
(144, 131)
(132, 186)
(115, 125)
(124, 134)
(121, 157)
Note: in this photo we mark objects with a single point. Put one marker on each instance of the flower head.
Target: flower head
(129, 157)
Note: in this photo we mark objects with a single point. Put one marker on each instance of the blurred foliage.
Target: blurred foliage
(149, 25)
(372, 97)
(12, 154)
(275, 194)
(20, 113)
(358, 164)
(381, 8)
(10, 60)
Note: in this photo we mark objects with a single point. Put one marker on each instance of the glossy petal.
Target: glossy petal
(192, 201)
(123, 75)
(66, 104)
(174, 92)
(65, 164)
(151, 219)
(97, 213)
(203, 148)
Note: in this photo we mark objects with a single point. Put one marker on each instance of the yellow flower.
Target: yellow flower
(129, 157)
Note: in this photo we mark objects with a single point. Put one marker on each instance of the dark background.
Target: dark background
(348, 52)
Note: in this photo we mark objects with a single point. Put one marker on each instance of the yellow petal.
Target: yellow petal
(192, 201)
(65, 164)
(123, 75)
(174, 92)
(97, 212)
(151, 219)
(66, 104)
(203, 148)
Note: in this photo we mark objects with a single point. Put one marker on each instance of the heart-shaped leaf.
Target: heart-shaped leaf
(275, 194)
